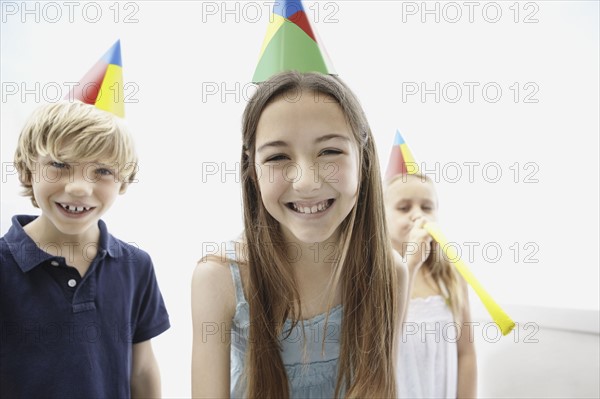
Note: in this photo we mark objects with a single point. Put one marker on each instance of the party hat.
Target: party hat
(291, 44)
(401, 162)
(401, 159)
(102, 85)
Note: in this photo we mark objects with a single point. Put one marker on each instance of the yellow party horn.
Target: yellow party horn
(500, 317)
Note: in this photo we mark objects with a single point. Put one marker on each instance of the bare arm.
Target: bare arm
(213, 308)
(403, 299)
(145, 375)
(404, 285)
(467, 360)
(420, 248)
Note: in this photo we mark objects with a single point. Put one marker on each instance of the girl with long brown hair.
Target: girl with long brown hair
(308, 301)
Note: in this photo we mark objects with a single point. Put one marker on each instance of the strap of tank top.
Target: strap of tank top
(235, 272)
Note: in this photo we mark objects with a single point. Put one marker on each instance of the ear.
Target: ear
(123, 188)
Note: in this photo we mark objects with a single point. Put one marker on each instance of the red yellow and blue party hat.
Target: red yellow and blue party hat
(401, 159)
(291, 44)
(102, 85)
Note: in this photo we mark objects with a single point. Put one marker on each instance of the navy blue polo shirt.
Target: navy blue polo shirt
(64, 336)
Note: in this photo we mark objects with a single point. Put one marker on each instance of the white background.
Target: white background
(177, 54)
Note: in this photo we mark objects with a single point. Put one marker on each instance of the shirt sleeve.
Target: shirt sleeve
(152, 317)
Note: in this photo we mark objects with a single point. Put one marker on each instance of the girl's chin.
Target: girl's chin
(312, 237)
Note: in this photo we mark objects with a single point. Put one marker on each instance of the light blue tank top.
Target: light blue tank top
(311, 373)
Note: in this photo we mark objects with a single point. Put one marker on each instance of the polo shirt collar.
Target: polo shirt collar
(28, 255)
(108, 243)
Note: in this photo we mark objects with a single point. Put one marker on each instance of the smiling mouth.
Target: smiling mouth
(75, 210)
(309, 209)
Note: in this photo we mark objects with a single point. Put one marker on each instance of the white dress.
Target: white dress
(428, 362)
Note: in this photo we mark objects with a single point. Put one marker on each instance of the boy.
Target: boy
(78, 307)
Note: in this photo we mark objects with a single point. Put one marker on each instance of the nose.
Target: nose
(416, 213)
(307, 178)
(79, 186)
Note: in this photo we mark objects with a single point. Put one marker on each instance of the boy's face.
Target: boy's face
(73, 196)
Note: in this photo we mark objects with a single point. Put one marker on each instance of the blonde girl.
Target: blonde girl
(436, 353)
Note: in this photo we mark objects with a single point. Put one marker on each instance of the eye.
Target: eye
(427, 208)
(330, 151)
(403, 208)
(104, 172)
(275, 158)
(59, 165)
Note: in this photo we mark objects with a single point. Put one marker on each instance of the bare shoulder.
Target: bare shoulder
(213, 291)
(464, 286)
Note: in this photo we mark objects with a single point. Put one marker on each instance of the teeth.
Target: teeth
(320, 207)
(74, 209)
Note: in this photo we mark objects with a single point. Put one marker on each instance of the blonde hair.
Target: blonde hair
(74, 131)
(442, 272)
(365, 270)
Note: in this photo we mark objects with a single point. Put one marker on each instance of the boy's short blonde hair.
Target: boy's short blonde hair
(74, 132)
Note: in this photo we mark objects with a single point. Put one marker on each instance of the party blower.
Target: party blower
(403, 162)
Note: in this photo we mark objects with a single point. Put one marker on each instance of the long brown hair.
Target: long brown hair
(365, 270)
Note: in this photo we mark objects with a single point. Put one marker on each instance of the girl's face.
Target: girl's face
(307, 165)
(405, 199)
